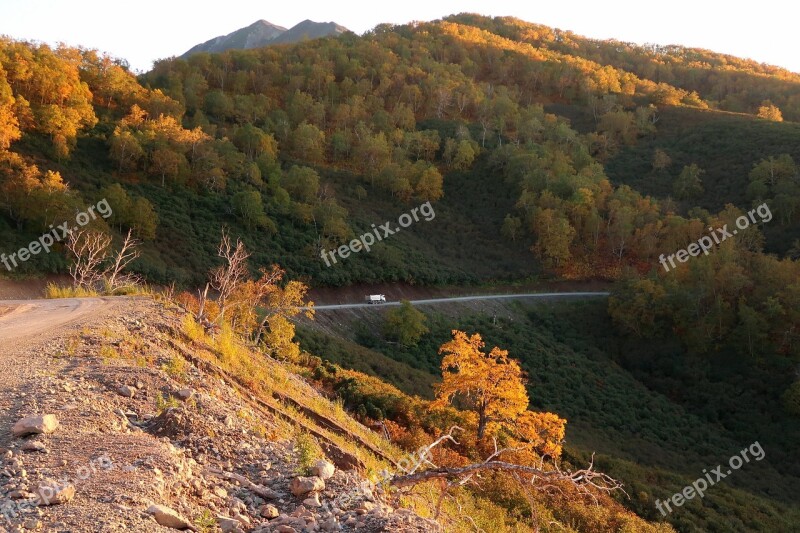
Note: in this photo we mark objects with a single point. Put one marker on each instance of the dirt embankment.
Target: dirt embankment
(145, 438)
(29, 289)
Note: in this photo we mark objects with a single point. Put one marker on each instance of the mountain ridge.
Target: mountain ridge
(264, 33)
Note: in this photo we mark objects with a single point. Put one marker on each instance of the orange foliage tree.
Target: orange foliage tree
(492, 385)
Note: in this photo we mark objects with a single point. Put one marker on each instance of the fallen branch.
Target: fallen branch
(264, 492)
(584, 480)
(585, 476)
(426, 451)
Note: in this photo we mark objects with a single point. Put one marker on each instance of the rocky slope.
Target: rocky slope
(118, 422)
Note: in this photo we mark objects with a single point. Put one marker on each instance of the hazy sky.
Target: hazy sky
(145, 30)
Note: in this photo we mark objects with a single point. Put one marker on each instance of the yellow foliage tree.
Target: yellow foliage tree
(491, 383)
(770, 111)
(541, 432)
(264, 307)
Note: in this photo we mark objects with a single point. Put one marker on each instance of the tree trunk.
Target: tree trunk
(482, 421)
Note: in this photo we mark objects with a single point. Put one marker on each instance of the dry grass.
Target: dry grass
(265, 377)
(53, 291)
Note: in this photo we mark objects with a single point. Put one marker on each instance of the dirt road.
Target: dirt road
(23, 319)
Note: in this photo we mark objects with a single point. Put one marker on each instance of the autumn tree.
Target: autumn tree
(772, 169)
(131, 211)
(308, 143)
(490, 384)
(661, 160)
(9, 124)
(542, 433)
(769, 111)
(250, 208)
(166, 162)
(688, 183)
(302, 183)
(405, 324)
(263, 308)
(428, 184)
(125, 149)
(254, 142)
(460, 154)
(512, 228)
(554, 235)
(620, 126)
(373, 153)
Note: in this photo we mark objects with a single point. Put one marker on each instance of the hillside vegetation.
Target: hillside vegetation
(654, 418)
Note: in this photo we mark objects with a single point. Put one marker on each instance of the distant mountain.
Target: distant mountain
(264, 33)
(308, 29)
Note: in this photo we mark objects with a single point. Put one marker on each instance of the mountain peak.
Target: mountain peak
(264, 33)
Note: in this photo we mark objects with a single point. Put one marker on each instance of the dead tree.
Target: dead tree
(89, 250)
(114, 276)
(228, 277)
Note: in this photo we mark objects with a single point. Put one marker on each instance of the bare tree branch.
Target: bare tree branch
(586, 477)
(585, 480)
(89, 249)
(259, 490)
(128, 253)
(226, 278)
(426, 452)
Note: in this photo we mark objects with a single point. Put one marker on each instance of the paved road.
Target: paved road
(22, 319)
(470, 298)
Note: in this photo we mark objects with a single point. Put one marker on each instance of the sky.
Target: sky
(146, 30)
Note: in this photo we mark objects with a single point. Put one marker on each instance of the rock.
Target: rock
(228, 525)
(286, 529)
(49, 492)
(35, 446)
(365, 507)
(330, 525)
(313, 501)
(301, 486)
(269, 511)
(242, 518)
(167, 517)
(184, 394)
(323, 469)
(126, 391)
(33, 524)
(35, 425)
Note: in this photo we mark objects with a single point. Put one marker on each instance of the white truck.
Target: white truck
(376, 299)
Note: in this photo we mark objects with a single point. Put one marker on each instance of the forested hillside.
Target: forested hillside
(545, 155)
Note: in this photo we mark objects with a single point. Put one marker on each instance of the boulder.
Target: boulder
(184, 394)
(323, 469)
(167, 517)
(49, 492)
(34, 446)
(35, 425)
(126, 391)
(312, 501)
(269, 511)
(300, 486)
(229, 525)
